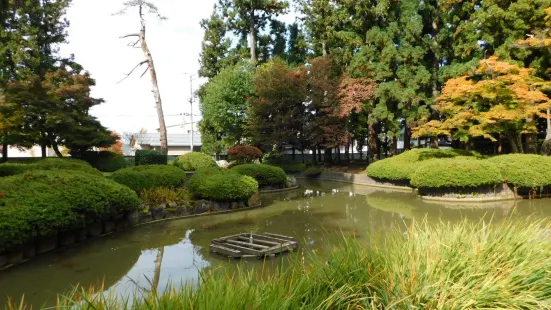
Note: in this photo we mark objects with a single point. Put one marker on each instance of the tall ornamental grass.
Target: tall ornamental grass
(442, 266)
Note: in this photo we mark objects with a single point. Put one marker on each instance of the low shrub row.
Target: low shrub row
(265, 175)
(9, 169)
(150, 157)
(222, 185)
(289, 166)
(105, 161)
(427, 168)
(401, 168)
(194, 160)
(140, 178)
(39, 204)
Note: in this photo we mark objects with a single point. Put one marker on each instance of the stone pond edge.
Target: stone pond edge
(364, 180)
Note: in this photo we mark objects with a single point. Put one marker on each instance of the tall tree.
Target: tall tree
(278, 34)
(297, 47)
(498, 99)
(277, 114)
(319, 19)
(144, 7)
(224, 103)
(215, 45)
(249, 17)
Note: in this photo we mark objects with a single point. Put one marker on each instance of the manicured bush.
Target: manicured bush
(289, 166)
(263, 174)
(401, 168)
(105, 161)
(38, 204)
(313, 172)
(222, 185)
(244, 153)
(524, 170)
(9, 169)
(146, 177)
(455, 173)
(150, 157)
(195, 160)
(159, 195)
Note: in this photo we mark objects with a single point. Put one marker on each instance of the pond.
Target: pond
(317, 215)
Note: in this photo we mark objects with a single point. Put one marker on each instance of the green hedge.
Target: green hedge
(402, 167)
(194, 160)
(456, 172)
(263, 174)
(150, 157)
(9, 169)
(289, 166)
(313, 172)
(524, 170)
(105, 161)
(145, 177)
(222, 185)
(40, 203)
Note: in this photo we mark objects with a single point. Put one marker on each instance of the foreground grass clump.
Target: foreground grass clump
(524, 170)
(9, 169)
(401, 168)
(41, 203)
(194, 160)
(140, 178)
(263, 174)
(222, 185)
(455, 172)
(447, 266)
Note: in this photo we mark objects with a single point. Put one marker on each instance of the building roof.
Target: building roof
(178, 139)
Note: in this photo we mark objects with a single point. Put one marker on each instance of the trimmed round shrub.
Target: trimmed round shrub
(402, 167)
(105, 161)
(456, 172)
(222, 185)
(39, 204)
(9, 169)
(195, 160)
(313, 172)
(150, 157)
(263, 174)
(145, 177)
(244, 153)
(524, 170)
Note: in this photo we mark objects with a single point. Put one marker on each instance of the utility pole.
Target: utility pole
(191, 107)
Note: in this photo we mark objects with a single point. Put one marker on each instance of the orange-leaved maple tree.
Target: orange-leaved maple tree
(499, 98)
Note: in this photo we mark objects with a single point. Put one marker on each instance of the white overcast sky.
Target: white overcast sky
(175, 44)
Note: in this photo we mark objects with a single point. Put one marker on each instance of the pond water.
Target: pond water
(317, 215)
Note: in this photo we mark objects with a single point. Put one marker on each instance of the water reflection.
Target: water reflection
(317, 214)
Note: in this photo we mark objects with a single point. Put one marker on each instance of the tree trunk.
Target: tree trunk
(347, 153)
(327, 156)
(155, 85)
(319, 155)
(4, 152)
(314, 156)
(546, 146)
(294, 153)
(434, 142)
(339, 155)
(253, 37)
(407, 137)
(372, 144)
(56, 150)
(157, 274)
(324, 48)
(43, 150)
(530, 145)
(394, 147)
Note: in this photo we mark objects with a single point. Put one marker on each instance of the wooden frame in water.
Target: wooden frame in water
(253, 245)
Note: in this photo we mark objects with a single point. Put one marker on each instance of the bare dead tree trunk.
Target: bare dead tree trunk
(157, 274)
(151, 9)
(156, 92)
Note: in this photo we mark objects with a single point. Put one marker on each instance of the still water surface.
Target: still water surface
(316, 214)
